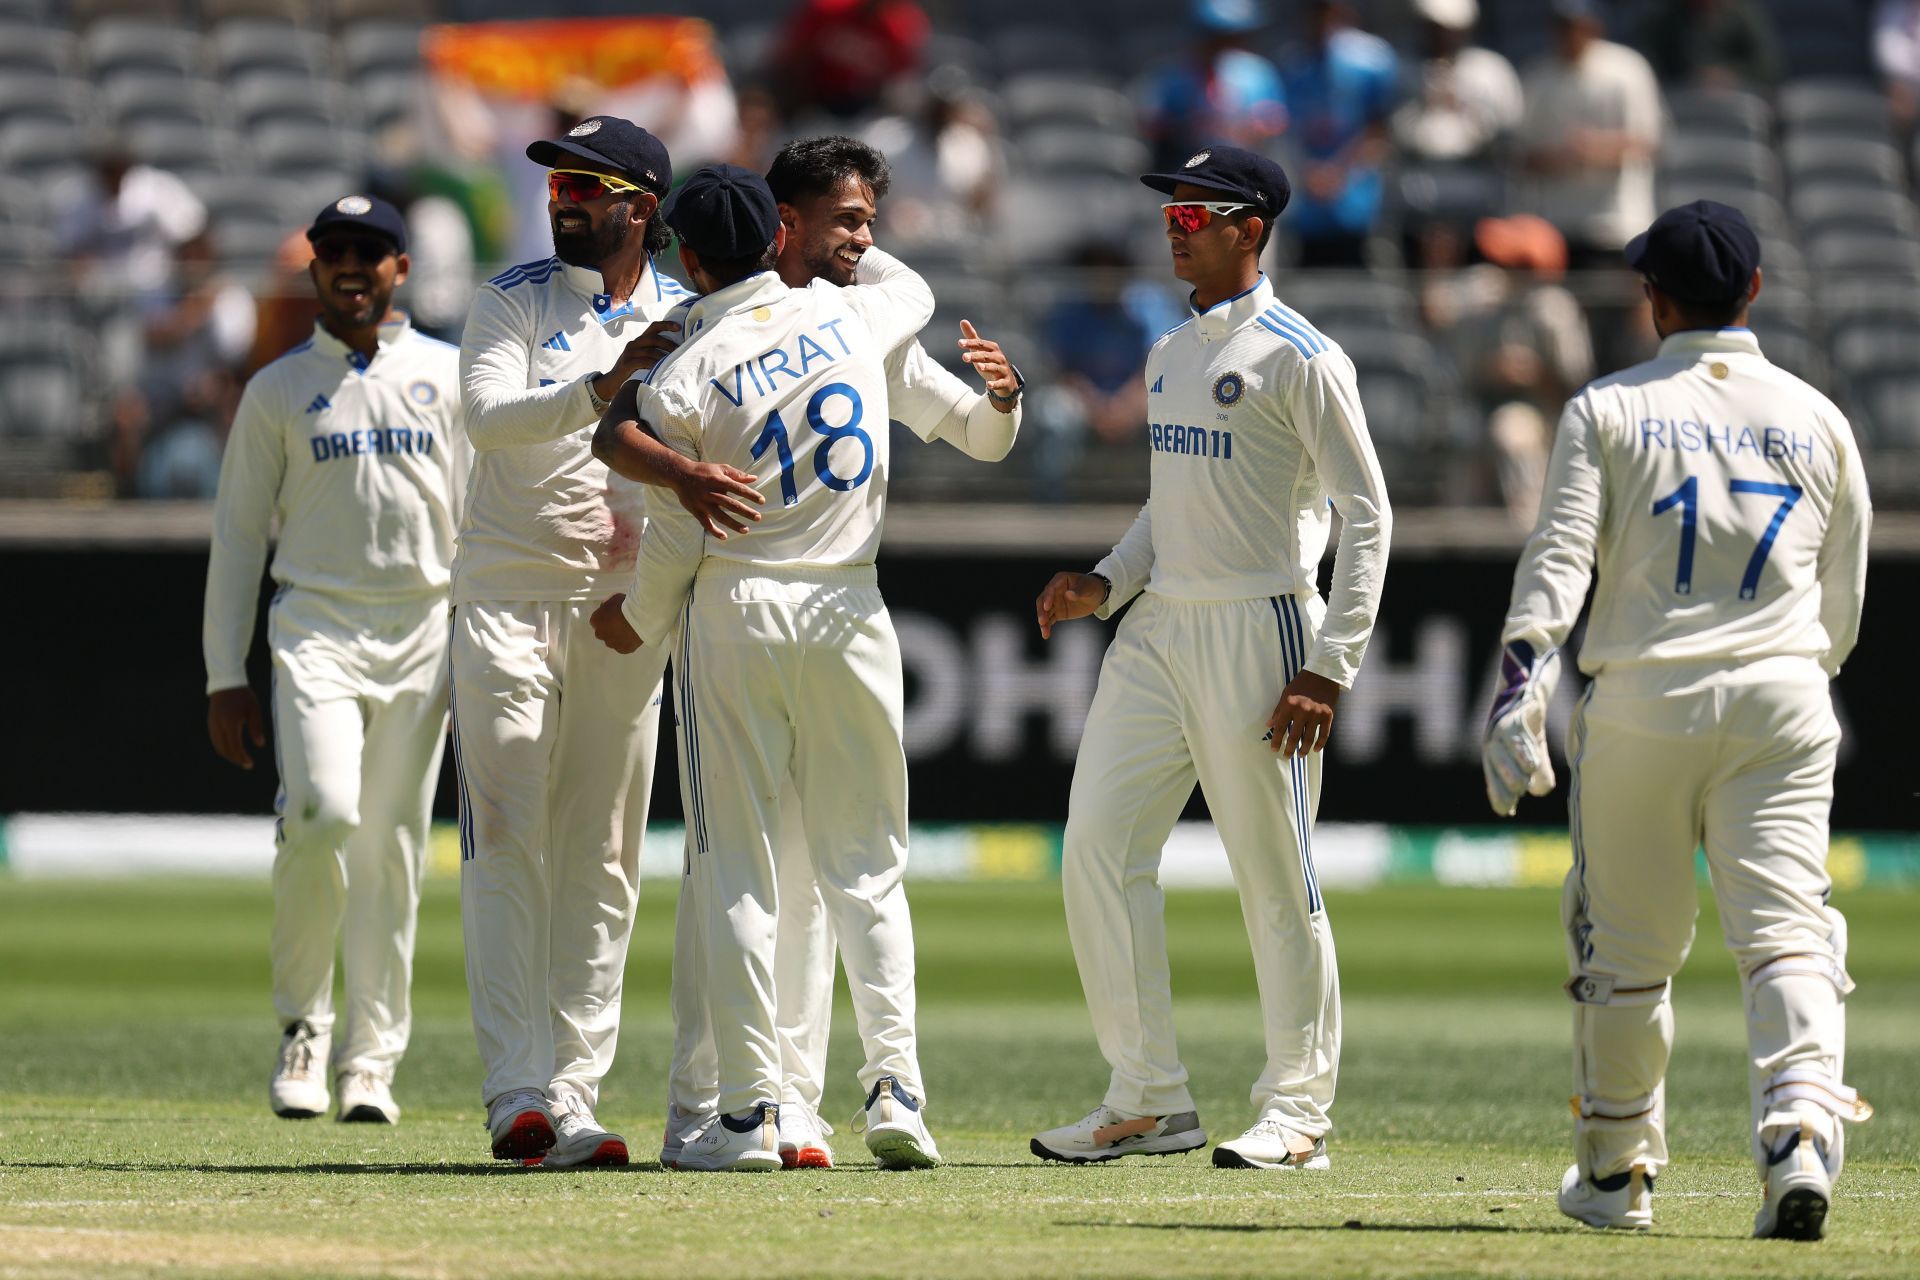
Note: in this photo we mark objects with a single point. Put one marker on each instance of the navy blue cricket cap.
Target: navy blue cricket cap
(1699, 252)
(619, 145)
(724, 211)
(1245, 175)
(361, 213)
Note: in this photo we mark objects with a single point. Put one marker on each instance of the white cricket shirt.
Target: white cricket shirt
(1724, 503)
(1254, 427)
(362, 463)
(791, 385)
(545, 520)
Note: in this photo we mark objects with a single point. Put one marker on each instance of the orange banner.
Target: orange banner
(530, 59)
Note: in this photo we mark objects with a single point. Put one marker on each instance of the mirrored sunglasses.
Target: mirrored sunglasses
(575, 186)
(1192, 215)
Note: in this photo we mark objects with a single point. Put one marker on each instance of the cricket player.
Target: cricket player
(554, 737)
(1724, 503)
(786, 660)
(352, 441)
(828, 190)
(1227, 669)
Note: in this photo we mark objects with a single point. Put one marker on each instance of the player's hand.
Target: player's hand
(645, 351)
(991, 364)
(1069, 596)
(233, 719)
(612, 626)
(1303, 720)
(1514, 755)
(720, 497)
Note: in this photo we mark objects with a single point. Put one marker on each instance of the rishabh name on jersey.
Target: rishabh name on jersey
(1239, 506)
(361, 460)
(546, 520)
(789, 384)
(1721, 475)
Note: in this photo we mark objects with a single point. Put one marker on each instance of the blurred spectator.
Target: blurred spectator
(1896, 52)
(169, 427)
(1462, 99)
(1220, 91)
(841, 56)
(286, 309)
(1098, 336)
(1518, 338)
(440, 281)
(1712, 44)
(122, 230)
(946, 161)
(1588, 140)
(1340, 87)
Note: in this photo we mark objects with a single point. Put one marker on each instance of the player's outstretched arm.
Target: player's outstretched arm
(722, 498)
(233, 720)
(1068, 596)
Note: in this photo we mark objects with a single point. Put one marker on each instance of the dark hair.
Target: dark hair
(659, 237)
(726, 271)
(1709, 315)
(817, 166)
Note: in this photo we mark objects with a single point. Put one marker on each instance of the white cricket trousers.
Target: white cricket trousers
(554, 739)
(1739, 761)
(359, 721)
(795, 670)
(1185, 692)
(803, 964)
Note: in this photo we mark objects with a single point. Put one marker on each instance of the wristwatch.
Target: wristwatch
(1019, 385)
(1106, 582)
(593, 397)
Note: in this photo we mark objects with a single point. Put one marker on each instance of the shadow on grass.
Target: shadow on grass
(1254, 1228)
(500, 1169)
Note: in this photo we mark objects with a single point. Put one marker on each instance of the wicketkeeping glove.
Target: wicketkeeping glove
(1514, 755)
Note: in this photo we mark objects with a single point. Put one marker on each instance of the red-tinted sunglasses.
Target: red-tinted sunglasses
(367, 249)
(577, 186)
(1191, 215)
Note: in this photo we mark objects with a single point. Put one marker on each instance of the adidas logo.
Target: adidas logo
(558, 342)
(1157, 381)
(319, 402)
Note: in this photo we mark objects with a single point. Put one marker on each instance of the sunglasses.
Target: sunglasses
(1192, 215)
(368, 249)
(576, 186)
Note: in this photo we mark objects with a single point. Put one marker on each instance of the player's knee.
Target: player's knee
(320, 819)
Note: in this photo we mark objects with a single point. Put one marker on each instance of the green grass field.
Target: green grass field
(136, 1036)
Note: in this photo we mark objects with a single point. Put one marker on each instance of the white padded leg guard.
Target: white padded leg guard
(1622, 1037)
(1796, 1034)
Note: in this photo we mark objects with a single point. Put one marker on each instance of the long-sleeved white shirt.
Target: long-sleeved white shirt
(1255, 426)
(361, 461)
(1724, 504)
(544, 519)
(789, 384)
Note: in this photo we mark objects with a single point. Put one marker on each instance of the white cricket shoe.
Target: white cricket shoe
(679, 1125)
(1270, 1144)
(1799, 1188)
(1106, 1134)
(580, 1142)
(1623, 1200)
(366, 1097)
(895, 1129)
(520, 1122)
(750, 1144)
(803, 1139)
(298, 1090)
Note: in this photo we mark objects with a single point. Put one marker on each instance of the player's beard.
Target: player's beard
(593, 246)
(343, 316)
(823, 263)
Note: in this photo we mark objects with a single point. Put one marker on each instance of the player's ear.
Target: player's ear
(644, 206)
(1252, 229)
(789, 216)
(401, 265)
(780, 239)
(1753, 285)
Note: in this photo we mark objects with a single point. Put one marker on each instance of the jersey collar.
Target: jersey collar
(1699, 342)
(391, 332)
(587, 281)
(762, 286)
(1228, 314)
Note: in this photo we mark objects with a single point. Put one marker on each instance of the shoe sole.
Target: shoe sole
(366, 1113)
(292, 1113)
(530, 1134)
(807, 1158)
(1225, 1159)
(1061, 1157)
(610, 1154)
(899, 1151)
(1802, 1216)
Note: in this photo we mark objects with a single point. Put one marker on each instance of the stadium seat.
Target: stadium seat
(1790, 346)
(1869, 349)
(25, 12)
(34, 51)
(1722, 113)
(27, 146)
(31, 96)
(1139, 49)
(42, 390)
(1030, 47)
(367, 47)
(21, 201)
(1725, 162)
(85, 13)
(1043, 98)
(280, 95)
(1762, 208)
(25, 246)
(186, 150)
(252, 45)
(1350, 301)
(1406, 387)
(284, 149)
(1858, 161)
(387, 98)
(1890, 405)
(1069, 150)
(255, 198)
(1850, 108)
(1866, 251)
(138, 99)
(245, 241)
(1048, 216)
(129, 44)
(298, 12)
(347, 13)
(1459, 193)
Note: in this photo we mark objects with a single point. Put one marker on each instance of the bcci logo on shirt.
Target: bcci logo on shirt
(1227, 390)
(423, 393)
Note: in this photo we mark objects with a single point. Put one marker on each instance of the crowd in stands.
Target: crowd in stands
(1465, 174)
